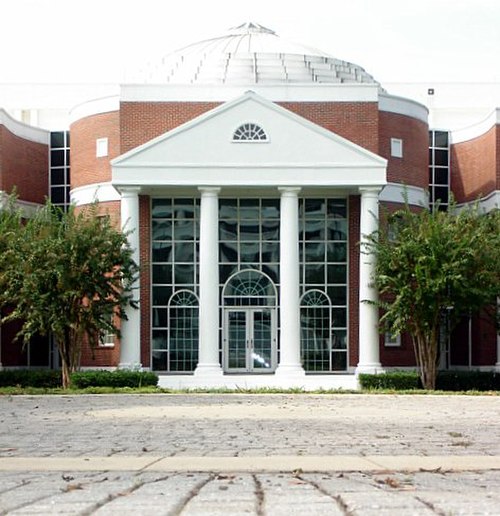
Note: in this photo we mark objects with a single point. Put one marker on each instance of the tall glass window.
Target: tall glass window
(175, 247)
(59, 180)
(439, 169)
(323, 266)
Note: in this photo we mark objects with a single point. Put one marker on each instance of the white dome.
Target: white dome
(252, 54)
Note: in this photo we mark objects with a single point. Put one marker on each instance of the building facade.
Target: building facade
(247, 170)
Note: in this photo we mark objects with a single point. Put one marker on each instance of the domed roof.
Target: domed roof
(252, 54)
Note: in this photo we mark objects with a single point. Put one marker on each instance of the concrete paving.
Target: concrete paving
(249, 454)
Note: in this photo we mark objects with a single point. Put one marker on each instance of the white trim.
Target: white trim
(273, 92)
(94, 107)
(487, 203)
(215, 175)
(396, 192)
(100, 192)
(476, 130)
(22, 130)
(28, 209)
(403, 106)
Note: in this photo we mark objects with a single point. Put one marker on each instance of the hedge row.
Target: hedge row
(48, 379)
(445, 381)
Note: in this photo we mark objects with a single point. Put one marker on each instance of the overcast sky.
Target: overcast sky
(394, 40)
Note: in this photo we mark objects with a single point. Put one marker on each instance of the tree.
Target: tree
(72, 277)
(430, 264)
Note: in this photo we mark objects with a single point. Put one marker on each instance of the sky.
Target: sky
(105, 40)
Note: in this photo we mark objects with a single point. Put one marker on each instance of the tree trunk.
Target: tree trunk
(426, 353)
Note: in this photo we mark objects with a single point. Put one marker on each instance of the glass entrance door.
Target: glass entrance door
(250, 340)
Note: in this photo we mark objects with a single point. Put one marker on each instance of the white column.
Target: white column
(130, 343)
(208, 357)
(369, 354)
(290, 363)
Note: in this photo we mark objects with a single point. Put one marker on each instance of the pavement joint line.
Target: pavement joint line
(255, 464)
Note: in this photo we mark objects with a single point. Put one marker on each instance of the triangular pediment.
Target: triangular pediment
(206, 144)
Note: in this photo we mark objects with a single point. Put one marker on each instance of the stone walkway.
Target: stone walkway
(249, 454)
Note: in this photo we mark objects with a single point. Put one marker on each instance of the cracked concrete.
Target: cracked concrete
(247, 454)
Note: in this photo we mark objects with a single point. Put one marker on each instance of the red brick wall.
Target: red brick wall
(355, 121)
(413, 168)
(25, 165)
(475, 166)
(104, 356)
(353, 309)
(143, 121)
(86, 168)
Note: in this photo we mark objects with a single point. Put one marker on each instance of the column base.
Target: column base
(208, 371)
(290, 370)
(131, 366)
(497, 367)
(370, 368)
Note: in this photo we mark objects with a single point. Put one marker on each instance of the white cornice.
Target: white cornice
(25, 131)
(399, 193)
(476, 130)
(486, 204)
(28, 209)
(96, 192)
(94, 107)
(275, 93)
(403, 106)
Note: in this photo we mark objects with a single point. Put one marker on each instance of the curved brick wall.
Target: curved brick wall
(24, 164)
(86, 168)
(475, 166)
(413, 168)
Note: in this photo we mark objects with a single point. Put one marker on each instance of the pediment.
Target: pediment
(208, 143)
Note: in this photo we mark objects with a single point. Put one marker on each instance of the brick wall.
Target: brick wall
(24, 165)
(143, 121)
(413, 168)
(475, 166)
(86, 168)
(353, 309)
(145, 253)
(355, 121)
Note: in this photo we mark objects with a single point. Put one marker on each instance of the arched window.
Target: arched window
(249, 288)
(249, 132)
(316, 330)
(183, 331)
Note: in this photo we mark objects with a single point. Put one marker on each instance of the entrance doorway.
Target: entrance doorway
(250, 342)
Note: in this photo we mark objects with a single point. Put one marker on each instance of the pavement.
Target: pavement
(196, 454)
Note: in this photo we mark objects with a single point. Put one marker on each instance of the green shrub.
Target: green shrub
(446, 381)
(43, 378)
(397, 380)
(118, 378)
(468, 381)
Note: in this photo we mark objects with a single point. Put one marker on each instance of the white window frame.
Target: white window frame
(392, 340)
(396, 147)
(101, 147)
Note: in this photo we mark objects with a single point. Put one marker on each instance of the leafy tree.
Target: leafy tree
(72, 277)
(430, 264)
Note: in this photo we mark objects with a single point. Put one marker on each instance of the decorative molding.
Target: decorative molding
(22, 130)
(487, 203)
(274, 92)
(28, 209)
(396, 192)
(403, 106)
(476, 130)
(101, 192)
(94, 107)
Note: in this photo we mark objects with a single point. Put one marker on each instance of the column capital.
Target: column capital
(129, 190)
(370, 191)
(289, 190)
(209, 190)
